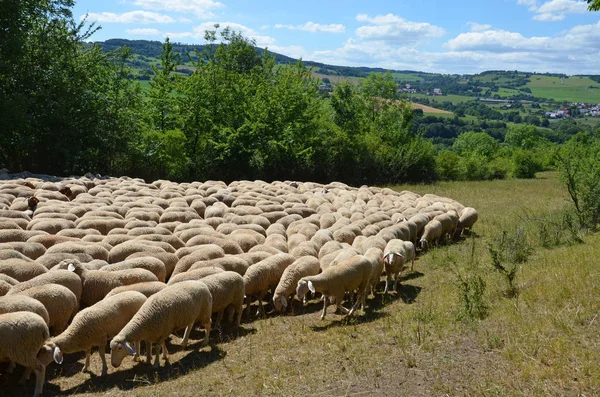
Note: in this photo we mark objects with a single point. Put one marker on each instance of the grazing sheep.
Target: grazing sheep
(21, 270)
(468, 217)
(201, 253)
(97, 284)
(409, 249)
(394, 261)
(227, 290)
(432, 232)
(22, 335)
(231, 263)
(65, 278)
(449, 223)
(265, 275)
(151, 264)
(284, 292)
(148, 288)
(4, 287)
(375, 255)
(95, 325)
(349, 276)
(60, 303)
(196, 274)
(175, 307)
(74, 247)
(30, 250)
(119, 252)
(18, 303)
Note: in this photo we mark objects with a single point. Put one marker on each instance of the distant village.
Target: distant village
(585, 109)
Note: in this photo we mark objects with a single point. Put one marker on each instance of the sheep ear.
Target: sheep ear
(58, 356)
(311, 287)
(71, 267)
(283, 301)
(130, 348)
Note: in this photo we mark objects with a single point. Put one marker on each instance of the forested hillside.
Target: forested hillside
(232, 111)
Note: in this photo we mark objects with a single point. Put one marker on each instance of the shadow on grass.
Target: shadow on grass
(142, 374)
(358, 318)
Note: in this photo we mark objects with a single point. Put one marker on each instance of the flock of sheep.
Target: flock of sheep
(89, 262)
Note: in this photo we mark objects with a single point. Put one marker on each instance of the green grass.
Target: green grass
(545, 342)
(445, 98)
(407, 77)
(573, 89)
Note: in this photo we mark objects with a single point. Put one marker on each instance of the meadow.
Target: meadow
(542, 340)
(572, 89)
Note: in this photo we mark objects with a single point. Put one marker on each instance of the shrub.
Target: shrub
(525, 165)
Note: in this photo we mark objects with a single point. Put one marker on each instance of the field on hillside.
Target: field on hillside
(573, 89)
(542, 342)
(429, 109)
(444, 98)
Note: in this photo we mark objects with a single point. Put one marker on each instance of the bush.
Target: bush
(525, 165)
(447, 165)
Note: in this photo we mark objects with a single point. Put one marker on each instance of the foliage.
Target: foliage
(579, 166)
(594, 5)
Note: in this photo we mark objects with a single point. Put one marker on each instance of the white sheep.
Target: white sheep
(432, 232)
(97, 284)
(227, 290)
(175, 307)
(58, 300)
(284, 292)
(95, 325)
(154, 265)
(265, 275)
(148, 288)
(195, 274)
(19, 303)
(22, 335)
(394, 260)
(349, 276)
(62, 277)
(375, 255)
(468, 217)
(21, 270)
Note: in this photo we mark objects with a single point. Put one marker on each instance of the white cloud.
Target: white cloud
(130, 17)
(555, 10)
(315, 27)
(549, 17)
(531, 3)
(261, 40)
(201, 8)
(185, 20)
(393, 29)
(144, 32)
(178, 35)
(478, 27)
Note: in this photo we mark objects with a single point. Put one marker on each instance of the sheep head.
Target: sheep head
(303, 287)
(118, 351)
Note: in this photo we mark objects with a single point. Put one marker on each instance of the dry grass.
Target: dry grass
(545, 342)
(428, 109)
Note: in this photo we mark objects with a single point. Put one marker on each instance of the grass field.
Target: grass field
(573, 89)
(545, 342)
(444, 98)
(430, 110)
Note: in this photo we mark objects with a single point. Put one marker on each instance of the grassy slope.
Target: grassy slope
(573, 89)
(544, 343)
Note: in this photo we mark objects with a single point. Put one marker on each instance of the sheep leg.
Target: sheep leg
(396, 277)
(219, 319)
(157, 358)
(324, 307)
(239, 311)
(138, 345)
(206, 324)
(102, 352)
(148, 352)
(341, 308)
(186, 335)
(86, 366)
(261, 309)
(165, 352)
(40, 378)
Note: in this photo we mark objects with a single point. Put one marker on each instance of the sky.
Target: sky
(462, 37)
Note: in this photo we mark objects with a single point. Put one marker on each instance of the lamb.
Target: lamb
(175, 307)
(97, 284)
(227, 291)
(351, 275)
(265, 275)
(11, 304)
(22, 335)
(62, 277)
(394, 259)
(468, 217)
(58, 300)
(148, 288)
(431, 234)
(284, 292)
(95, 325)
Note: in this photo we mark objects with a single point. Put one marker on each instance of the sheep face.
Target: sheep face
(47, 354)
(118, 351)
(424, 244)
(303, 287)
(279, 303)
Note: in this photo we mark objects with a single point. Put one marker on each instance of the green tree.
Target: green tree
(162, 85)
(594, 5)
(522, 136)
(475, 143)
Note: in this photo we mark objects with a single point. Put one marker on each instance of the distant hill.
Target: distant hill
(499, 84)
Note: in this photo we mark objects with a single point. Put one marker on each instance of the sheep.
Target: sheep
(4, 287)
(375, 255)
(431, 234)
(60, 303)
(227, 290)
(229, 262)
(265, 275)
(196, 274)
(468, 217)
(22, 335)
(21, 270)
(73, 247)
(449, 223)
(16, 303)
(10, 235)
(62, 277)
(119, 252)
(254, 257)
(284, 292)
(202, 253)
(229, 246)
(151, 264)
(148, 288)
(394, 259)
(409, 249)
(30, 250)
(167, 258)
(351, 275)
(94, 326)
(175, 307)
(97, 284)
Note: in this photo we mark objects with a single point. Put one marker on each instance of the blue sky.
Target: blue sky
(433, 36)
